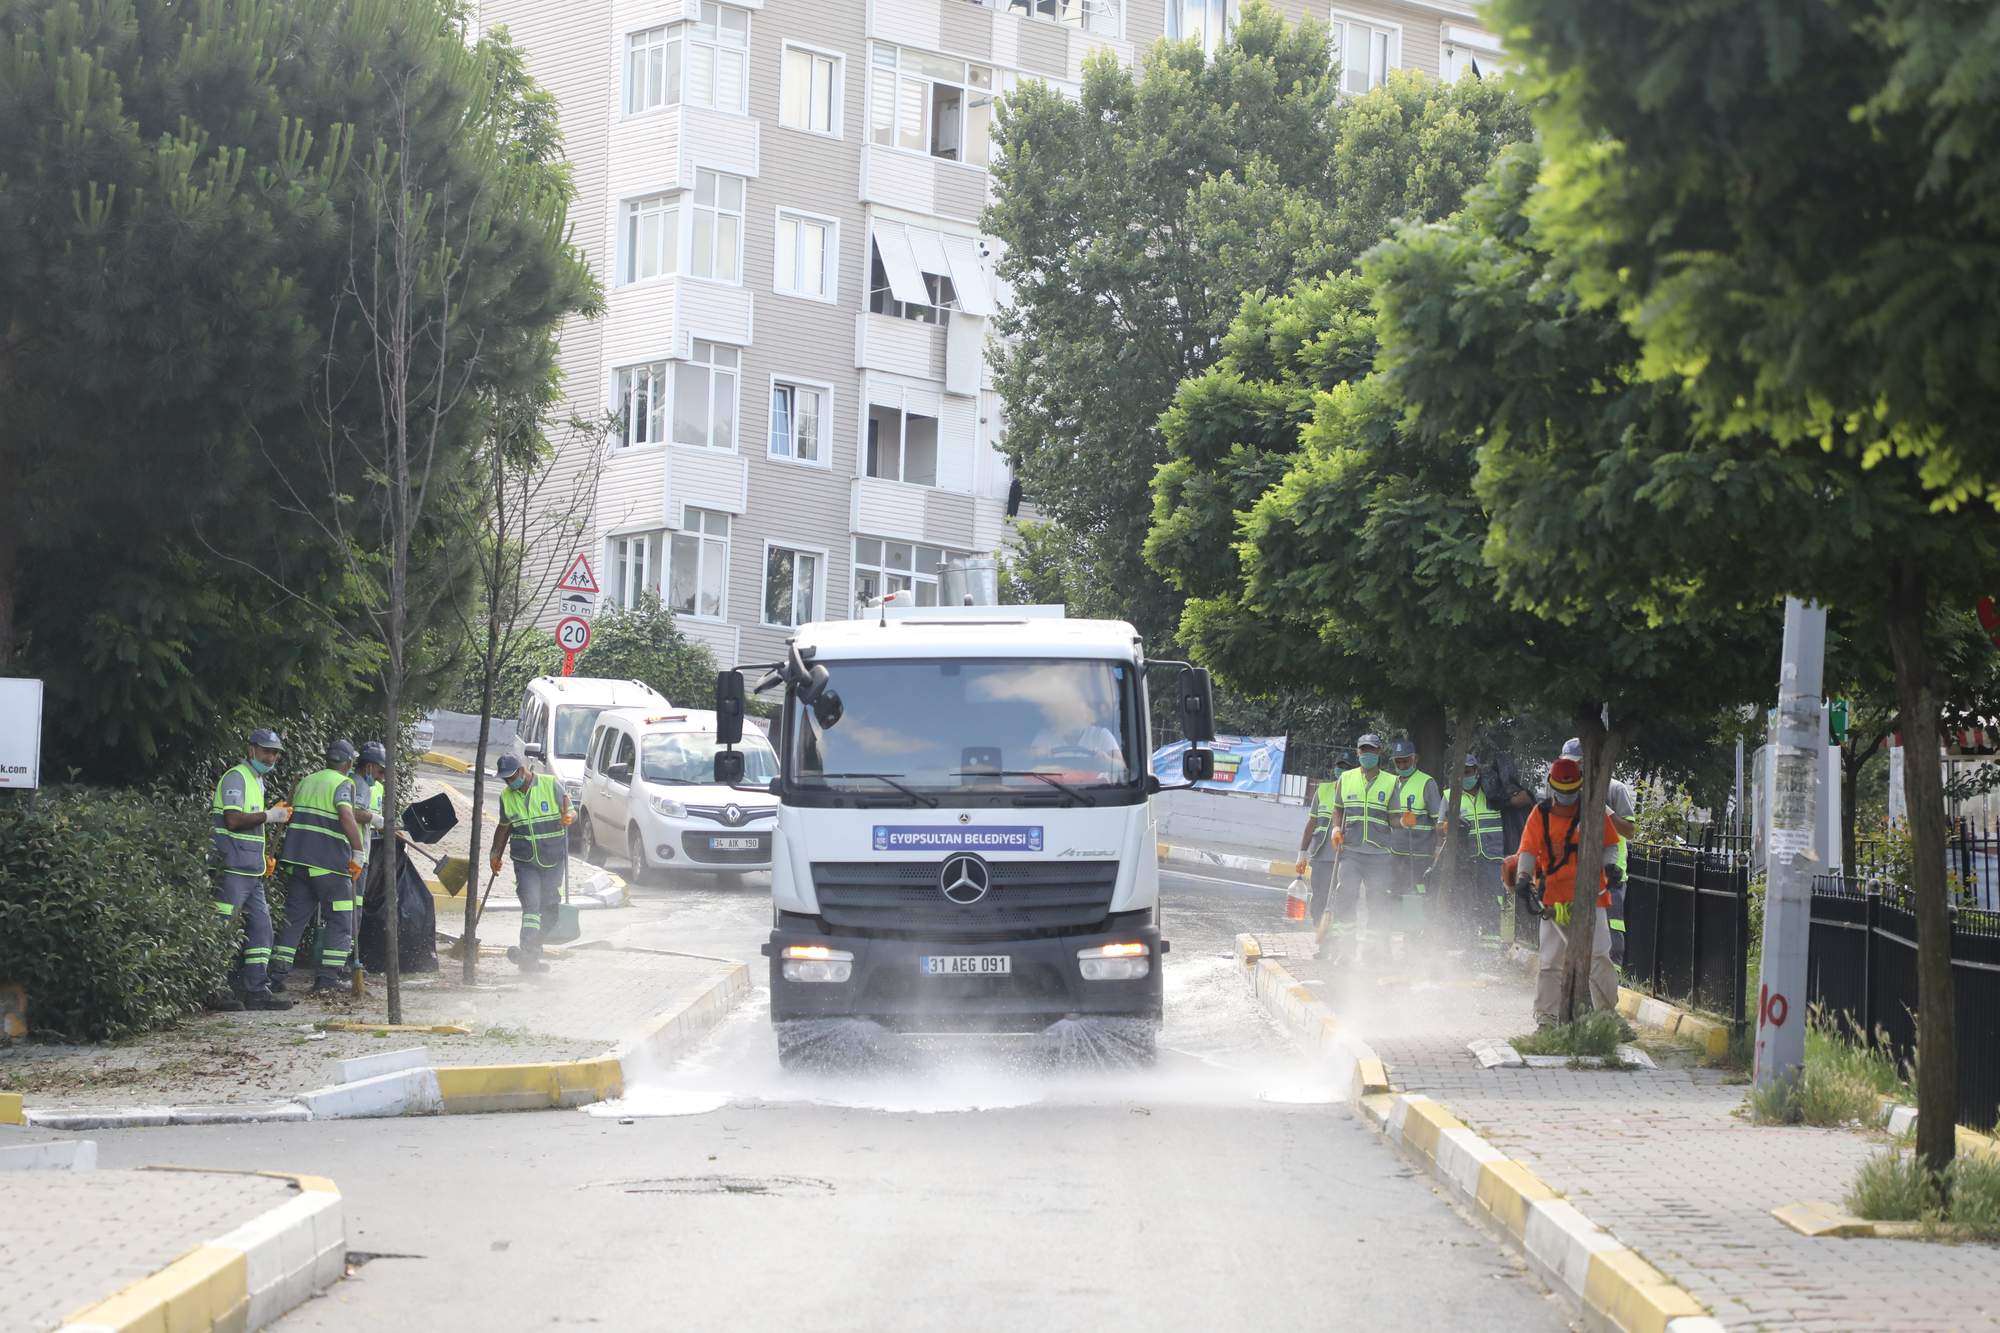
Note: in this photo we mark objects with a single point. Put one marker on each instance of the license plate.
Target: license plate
(968, 965)
(732, 844)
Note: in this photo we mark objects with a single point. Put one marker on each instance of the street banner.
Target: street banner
(1250, 764)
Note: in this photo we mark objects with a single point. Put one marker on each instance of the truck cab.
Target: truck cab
(963, 840)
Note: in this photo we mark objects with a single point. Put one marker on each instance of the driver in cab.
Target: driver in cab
(1088, 748)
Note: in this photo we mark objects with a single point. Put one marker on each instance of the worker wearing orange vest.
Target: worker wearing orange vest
(1545, 886)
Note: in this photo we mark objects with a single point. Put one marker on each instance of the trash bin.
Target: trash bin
(430, 819)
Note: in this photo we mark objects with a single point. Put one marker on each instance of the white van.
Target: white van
(650, 795)
(557, 714)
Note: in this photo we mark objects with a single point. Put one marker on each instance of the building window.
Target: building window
(902, 446)
(884, 567)
(809, 91)
(1204, 21)
(718, 57)
(882, 300)
(1471, 51)
(928, 104)
(717, 240)
(705, 396)
(652, 69)
(652, 237)
(1098, 17)
(791, 586)
(799, 421)
(641, 404)
(630, 562)
(1368, 51)
(807, 256)
(699, 575)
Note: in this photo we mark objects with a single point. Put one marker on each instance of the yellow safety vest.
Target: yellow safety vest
(534, 822)
(315, 838)
(240, 853)
(1364, 807)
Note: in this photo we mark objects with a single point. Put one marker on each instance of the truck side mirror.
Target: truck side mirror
(535, 750)
(1197, 765)
(729, 767)
(728, 707)
(826, 707)
(1197, 705)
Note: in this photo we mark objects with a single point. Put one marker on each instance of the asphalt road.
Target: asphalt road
(959, 1187)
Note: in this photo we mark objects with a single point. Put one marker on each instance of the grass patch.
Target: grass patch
(1599, 1034)
(1895, 1187)
(1842, 1083)
(1870, 1066)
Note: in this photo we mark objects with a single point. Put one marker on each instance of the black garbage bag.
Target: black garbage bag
(416, 925)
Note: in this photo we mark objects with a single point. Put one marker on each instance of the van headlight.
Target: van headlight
(671, 809)
(816, 962)
(1123, 961)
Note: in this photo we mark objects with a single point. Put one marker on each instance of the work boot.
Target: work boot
(223, 1002)
(277, 985)
(321, 986)
(260, 999)
(527, 962)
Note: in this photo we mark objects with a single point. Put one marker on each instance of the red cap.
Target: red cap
(1565, 775)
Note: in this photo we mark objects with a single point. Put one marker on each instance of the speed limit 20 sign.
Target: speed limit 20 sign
(572, 636)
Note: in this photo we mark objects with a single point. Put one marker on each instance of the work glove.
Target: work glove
(270, 866)
(569, 817)
(1524, 899)
(1339, 838)
(354, 869)
(1409, 819)
(1561, 914)
(280, 813)
(495, 863)
(376, 819)
(1299, 868)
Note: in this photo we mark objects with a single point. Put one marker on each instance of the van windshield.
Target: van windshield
(689, 756)
(573, 724)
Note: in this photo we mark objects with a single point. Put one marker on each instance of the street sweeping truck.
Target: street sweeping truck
(963, 840)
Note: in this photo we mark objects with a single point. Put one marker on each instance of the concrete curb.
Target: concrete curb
(452, 762)
(1643, 1010)
(1201, 856)
(242, 1280)
(1614, 1287)
(75, 1155)
(455, 1089)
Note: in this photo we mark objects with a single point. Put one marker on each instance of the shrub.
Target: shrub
(1975, 1194)
(1893, 1187)
(105, 913)
(1597, 1034)
(1822, 1095)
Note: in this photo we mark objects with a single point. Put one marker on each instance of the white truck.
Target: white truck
(963, 839)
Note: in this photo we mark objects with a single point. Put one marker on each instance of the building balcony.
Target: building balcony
(916, 183)
(659, 319)
(899, 346)
(913, 513)
(1047, 39)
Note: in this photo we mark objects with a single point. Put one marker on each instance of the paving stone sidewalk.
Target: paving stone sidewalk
(1659, 1157)
(72, 1239)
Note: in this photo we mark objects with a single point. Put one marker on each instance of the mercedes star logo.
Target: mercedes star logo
(964, 880)
(732, 814)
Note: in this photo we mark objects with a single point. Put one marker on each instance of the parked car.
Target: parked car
(650, 795)
(557, 715)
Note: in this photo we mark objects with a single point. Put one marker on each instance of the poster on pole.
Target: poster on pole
(1251, 765)
(20, 733)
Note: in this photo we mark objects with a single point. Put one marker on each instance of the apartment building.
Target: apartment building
(782, 201)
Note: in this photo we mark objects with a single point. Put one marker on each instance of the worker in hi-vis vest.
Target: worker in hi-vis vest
(534, 823)
(322, 860)
(240, 861)
(1346, 843)
(1418, 824)
(1484, 850)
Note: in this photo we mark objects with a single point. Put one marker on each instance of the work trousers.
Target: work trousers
(1554, 960)
(1486, 891)
(333, 896)
(540, 891)
(1340, 900)
(241, 898)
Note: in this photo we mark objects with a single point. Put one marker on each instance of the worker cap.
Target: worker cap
(1402, 750)
(1573, 749)
(373, 753)
(1565, 774)
(265, 738)
(1472, 761)
(508, 766)
(1369, 741)
(339, 752)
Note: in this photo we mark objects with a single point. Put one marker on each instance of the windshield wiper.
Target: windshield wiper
(889, 779)
(1073, 793)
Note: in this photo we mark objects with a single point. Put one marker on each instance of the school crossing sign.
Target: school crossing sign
(576, 602)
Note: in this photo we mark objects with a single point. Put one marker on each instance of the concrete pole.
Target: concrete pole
(1788, 842)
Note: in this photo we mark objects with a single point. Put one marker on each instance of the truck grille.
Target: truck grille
(905, 896)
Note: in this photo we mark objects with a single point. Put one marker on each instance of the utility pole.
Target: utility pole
(1788, 844)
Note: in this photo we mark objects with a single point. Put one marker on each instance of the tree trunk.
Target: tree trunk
(1600, 751)
(1850, 787)
(392, 963)
(476, 857)
(1918, 689)
(1428, 725)
(10, 645)
(1455, 900)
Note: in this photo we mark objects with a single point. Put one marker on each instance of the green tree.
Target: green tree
(1137, 215)
(642, 644)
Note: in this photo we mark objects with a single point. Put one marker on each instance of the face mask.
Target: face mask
(518, 784)
(1468, 783)
(260, 767)
(1370, 760)
(1567, 797)
(1406, 765)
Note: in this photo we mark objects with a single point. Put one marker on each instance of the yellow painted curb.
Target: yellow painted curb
(451, 762)
(1628, 1002)
(1506, 1188)
(1372, 1075)
(1634, 1295)
(11, 1112)
(443, 1029)
(1818, 1218)
(209, 1287)
(1425, 1124)
(467, 1088)
(1710, 1034)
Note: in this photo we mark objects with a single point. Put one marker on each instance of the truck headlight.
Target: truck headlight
(1127, 961)
(671, 809)
(816, 962)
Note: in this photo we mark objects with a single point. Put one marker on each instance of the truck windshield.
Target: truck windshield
(689, 756)
(968, 726)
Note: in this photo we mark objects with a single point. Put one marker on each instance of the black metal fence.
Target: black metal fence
(1687, 923)
(1862, 971)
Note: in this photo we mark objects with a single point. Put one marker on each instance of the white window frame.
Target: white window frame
(1341, 21)
(720, 48)
(715, 212)
(735, 373)
(903, 415)
(1210, 40)
(825, 390)
(663, 35)
(764, 583)
(909, 578)
(621, 403)
(680, 45)
(668, 205)
(902, 73)
(623, 595)
(814, 55)
(707, 546)
(829, 260)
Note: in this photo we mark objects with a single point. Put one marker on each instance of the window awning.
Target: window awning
(906, 282)
(967, 278)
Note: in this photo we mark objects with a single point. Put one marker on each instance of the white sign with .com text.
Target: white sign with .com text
(20, 733)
